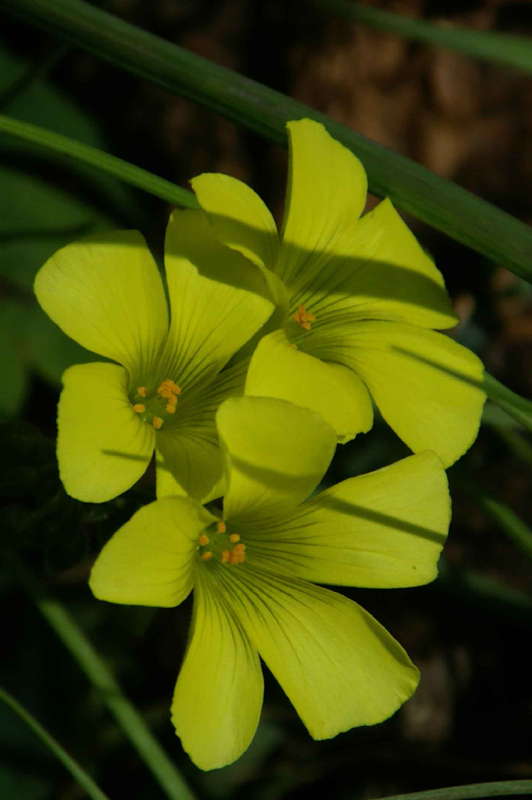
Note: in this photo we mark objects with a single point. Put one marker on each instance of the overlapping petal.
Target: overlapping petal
(339, 667)
(384, 530)
(279, 369)
(377, 271)
(106, 293)
(276, 453)
(102, 446)
(190, 458)
(427, 387)
(239, 217)
(149, 560)
(326, 193)
(218, 696)
(218, 299)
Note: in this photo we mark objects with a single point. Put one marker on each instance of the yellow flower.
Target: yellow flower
(166, 382)
(253, 566)
(356, 300)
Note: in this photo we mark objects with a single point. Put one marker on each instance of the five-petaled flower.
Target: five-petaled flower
(253, 566)
(170, 376)
(356, 301)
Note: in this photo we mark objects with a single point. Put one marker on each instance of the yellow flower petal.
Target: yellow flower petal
(166, 484)
(218, 696)
(239, 217)
(426, 386)
(337, 664)
(326, 193)
(194, 463)
(276, 454)
(218, 299)
(279, 369)
(383, 530)
(106, 293)
(377, 271)
(103, 448)
(149, 560)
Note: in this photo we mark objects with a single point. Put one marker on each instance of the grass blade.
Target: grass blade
(117, 167)
(469, 791)
(77, 772)
(505, 49)
(91, 663)
(439, 202)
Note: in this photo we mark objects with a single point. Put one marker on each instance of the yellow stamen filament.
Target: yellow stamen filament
(157, 422)
(226, 548)
(304, 318)
(142, 391)
(139, 408)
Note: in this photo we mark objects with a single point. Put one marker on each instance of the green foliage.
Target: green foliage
(37, 216)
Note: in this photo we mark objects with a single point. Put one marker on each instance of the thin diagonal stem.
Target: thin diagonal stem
(501, 48)
(73, 150)
(126, 715)
(470, 791)
(77, 772)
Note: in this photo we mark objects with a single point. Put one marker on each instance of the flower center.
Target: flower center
(156, 408)
(304, 318)
(216, 543)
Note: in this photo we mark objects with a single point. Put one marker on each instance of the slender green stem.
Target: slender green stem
(101, 678)
(508, 521)
(515, 442)
(71, 149)
(31, 74)
(77, 772)
(469, 791)
(485, 593)
(511, 51)
(518, 407)
(438, 202)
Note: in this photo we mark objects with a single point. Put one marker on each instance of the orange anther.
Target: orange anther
(203, 539)
(139, 408)
(168, 389)
(142, 391)
(206, 556)
(226, 556)
(157, 423)
(304, 318)
(221, 526)
(234, 537)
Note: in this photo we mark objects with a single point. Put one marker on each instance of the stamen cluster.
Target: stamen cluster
(225, 547)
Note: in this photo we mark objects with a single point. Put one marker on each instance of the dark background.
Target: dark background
(469, 121)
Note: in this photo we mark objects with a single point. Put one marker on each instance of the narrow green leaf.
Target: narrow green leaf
(71, 149)
(509, 522)
(469, 791)
(77, 772)
(506, 49)
(518, 407)
(438, 202)
(485, 593)
(89, 660)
